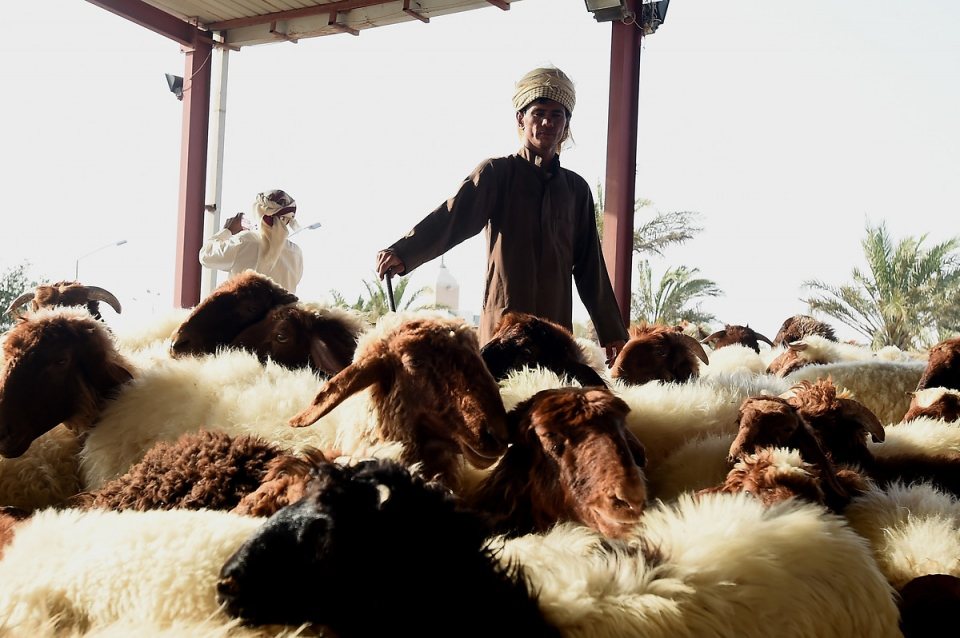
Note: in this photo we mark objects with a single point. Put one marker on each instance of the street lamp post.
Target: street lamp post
(76, 272)
(312, 226)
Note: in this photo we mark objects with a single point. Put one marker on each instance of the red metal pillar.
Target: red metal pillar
(620, 189)
(193, 172)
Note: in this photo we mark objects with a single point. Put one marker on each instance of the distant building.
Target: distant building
(447, 290)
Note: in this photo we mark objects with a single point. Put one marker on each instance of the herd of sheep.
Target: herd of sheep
(260, 466)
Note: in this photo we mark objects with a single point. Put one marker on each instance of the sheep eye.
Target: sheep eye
(281, 338)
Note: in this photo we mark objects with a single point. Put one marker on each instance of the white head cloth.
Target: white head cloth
(276, 211)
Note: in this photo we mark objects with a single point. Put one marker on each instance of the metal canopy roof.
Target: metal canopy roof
(239, 23)
(200, 26)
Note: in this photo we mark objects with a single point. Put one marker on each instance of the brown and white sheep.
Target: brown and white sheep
(571, 458)
(799, 326)
(431, 391)
(768, 421)
(234, 305)
(736, 334)
(66, 293)
(773, 475)
(935, 403)
(525, 340)
(943, 366)
(434, 386)
(658, 353)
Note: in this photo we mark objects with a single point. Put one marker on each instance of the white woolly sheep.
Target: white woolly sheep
(695, 569)
(814, 577)
(89, 568)
(883, 386)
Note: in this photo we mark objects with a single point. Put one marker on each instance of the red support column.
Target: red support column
(193, 172)
(620, 189)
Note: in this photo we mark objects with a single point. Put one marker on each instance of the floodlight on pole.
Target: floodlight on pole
(76, 272)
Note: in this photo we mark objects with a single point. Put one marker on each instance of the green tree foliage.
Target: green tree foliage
(909, 298)
(670, 301)
(13, 283)
(673, 300)
(377, 301)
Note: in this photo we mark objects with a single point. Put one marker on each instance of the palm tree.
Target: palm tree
(655, 235)
(668, 303)
(376, 304)
(909, 297)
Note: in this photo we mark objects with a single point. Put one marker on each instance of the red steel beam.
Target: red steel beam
(620, 189)
(193, 172)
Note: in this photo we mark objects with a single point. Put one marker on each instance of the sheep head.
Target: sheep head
(66, 293)
(656, 352)
(743, 335)
(430, 388)
(60, 366)
(525, 340)
(296, 336)
(943, 366)
(574, 453)
(935, 403)
(841, 423)
(770, 421)
(236, 304)
(372, 530)
(797, 327)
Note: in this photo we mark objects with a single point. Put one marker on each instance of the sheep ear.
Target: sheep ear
(636, 448)
(354, 378)
(811, 452)
(583, 373)
(323, 358)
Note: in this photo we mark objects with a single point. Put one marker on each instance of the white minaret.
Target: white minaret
(448, 290)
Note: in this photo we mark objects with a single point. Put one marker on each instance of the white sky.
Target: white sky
(787, 126)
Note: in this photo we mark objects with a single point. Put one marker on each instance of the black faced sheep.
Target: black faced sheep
(798, 327)
(377, 532)
(66, 293)
(658, 353)
(431, 389)
(943, 366)
(572, 458)
(929, 606)
(742, 335)
(525, 340)
(934, 403)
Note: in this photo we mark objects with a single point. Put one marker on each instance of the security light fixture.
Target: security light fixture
(175, 82)
(609, 10)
